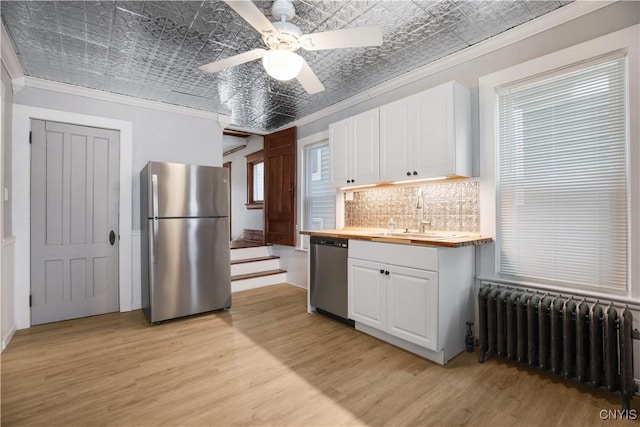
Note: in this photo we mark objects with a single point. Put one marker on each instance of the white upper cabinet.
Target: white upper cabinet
(339, 140)
(355, 150)
(396, 140)
(427, 135)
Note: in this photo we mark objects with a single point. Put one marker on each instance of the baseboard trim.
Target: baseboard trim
(251, 284)
(7, 338)
(297, 285)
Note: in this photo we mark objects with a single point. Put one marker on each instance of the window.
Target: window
(255, 180)
(315, 164)
(562, 205)
(319, 197)
(258, 182)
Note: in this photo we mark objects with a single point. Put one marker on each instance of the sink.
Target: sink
(416, 235)
(426, 236)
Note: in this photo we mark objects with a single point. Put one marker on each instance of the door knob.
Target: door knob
(112, 237)
(386, 273)
(381, 271)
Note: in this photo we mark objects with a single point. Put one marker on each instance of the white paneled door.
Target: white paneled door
(74, 221)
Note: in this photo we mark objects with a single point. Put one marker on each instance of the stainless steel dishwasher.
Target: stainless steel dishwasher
(329, 277)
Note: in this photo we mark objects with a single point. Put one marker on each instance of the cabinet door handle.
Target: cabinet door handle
(381, 271)
(415, 173)
(408, 173)
(386, 273)
(348, 181)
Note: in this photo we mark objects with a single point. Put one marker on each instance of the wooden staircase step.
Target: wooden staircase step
(240, 244)
(249, 252)
(258, 274)
(256, 259)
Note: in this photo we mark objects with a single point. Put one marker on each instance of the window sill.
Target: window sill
(254, 205)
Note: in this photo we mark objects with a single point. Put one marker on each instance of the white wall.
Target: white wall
(7, 245)
(7, 114)
(241, 217)
(155, 135)
(294, 261)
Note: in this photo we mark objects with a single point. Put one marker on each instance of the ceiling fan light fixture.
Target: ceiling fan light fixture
(282, 64)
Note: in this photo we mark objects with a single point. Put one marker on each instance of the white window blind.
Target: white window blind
(319, 196)
(562, 178)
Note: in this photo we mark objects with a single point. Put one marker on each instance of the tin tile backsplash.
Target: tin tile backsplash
(447, 206)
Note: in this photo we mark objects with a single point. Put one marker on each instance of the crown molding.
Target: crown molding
(252, 131)
(116, 98)
(521, 32)
(9, 57)
(17, 84)
(224, 120)
(316, 137)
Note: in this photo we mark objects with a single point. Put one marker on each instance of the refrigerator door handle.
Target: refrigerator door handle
(154, 226)
(154, 196)
(154, 215)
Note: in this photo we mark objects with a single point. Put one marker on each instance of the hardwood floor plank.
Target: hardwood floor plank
(267, 362)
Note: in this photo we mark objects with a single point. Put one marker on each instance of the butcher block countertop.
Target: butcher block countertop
(453, 239)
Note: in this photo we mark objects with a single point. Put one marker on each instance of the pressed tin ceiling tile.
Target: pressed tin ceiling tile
(152, 49)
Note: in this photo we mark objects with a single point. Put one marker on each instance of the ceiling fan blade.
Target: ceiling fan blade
(349, 37)
(250, 13)
(309, 80)
(234, 60)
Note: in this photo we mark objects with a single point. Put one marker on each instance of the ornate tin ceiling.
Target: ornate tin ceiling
(152, 49)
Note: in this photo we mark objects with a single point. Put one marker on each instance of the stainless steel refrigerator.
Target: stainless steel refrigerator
(185, 240)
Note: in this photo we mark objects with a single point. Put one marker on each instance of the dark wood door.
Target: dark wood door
(280, 187)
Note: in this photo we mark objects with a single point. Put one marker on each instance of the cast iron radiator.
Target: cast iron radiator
(566, 336)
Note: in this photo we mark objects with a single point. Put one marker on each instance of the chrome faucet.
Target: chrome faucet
(420, 206)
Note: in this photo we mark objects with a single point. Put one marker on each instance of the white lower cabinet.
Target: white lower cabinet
(418, 298)
(367, 293)
(398, 300)
(412, 305)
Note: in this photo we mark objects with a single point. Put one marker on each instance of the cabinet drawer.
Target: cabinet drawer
(421, 257)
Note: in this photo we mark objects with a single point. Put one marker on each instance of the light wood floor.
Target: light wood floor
(267, 362)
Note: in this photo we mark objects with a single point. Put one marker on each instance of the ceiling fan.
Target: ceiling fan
(283, 38)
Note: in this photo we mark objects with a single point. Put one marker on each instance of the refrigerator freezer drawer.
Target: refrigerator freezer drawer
(189, 266)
